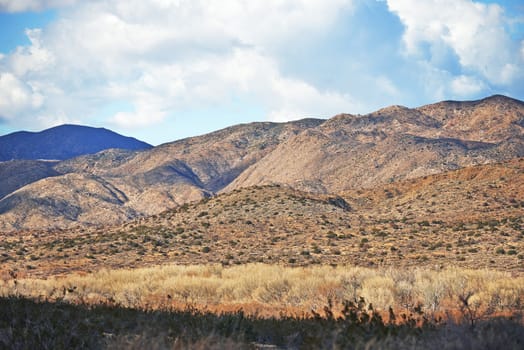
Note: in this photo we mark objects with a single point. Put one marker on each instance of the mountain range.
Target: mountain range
(323, 157)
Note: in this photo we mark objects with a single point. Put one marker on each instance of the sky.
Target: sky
(161, 70)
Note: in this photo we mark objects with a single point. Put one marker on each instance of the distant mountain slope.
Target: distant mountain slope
(393, 143)
(63, 142)
(15, 174)
(210, 161)
(64, 201)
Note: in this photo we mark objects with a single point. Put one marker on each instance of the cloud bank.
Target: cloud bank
(162, 57)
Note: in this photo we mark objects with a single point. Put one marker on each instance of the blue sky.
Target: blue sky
(160, 70)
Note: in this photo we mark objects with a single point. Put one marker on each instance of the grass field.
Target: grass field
(248, 306)
(284, 288)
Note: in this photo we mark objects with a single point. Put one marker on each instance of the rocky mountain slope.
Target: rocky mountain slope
(471, 217)
(63, 142)
(15, 174)
(393, 143)
(344, 153)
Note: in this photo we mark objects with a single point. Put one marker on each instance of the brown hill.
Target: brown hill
(494, 119)
(210, 161)
(115, 185)
(61, 201)
(472, 217)
(393, 143)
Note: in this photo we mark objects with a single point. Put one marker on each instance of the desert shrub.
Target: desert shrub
(430, 289)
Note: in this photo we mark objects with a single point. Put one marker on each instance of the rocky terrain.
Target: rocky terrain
(471, 217)
(394, 143)
(341, 155)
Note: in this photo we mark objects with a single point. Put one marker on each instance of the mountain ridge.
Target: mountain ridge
(344, 153)
(394, 143)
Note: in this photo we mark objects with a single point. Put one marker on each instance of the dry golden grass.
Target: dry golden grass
(261, 287)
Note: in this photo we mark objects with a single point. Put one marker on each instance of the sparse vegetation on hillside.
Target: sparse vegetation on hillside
(471, 217)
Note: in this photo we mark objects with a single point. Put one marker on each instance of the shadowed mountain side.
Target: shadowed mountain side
(18, 173)
(97, 163)
(64, 142)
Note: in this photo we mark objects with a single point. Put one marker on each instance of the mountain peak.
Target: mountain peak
(64, 142)
(392, 109)
(501, 99)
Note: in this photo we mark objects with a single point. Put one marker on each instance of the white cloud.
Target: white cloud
(31, 58)
(141, 117)
(16, 97)
(297, 99)
(32, 5)
(474, 31)
(387, 86)
(466, 85)
(161, 56)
